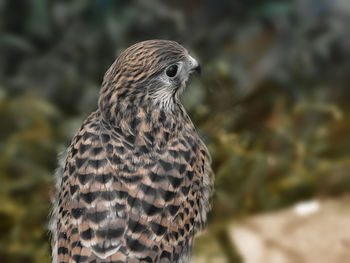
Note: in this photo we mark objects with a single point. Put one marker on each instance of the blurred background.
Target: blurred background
(272, 105)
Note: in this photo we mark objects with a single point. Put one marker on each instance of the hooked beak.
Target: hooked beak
(195, 67)
(198, 69)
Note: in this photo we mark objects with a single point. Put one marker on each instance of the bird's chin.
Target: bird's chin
(179, 90)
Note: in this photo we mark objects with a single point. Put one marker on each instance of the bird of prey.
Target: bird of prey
(135, 183)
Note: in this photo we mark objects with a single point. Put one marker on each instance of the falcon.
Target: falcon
(135, 183)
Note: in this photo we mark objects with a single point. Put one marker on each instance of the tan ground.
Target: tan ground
(318, 232)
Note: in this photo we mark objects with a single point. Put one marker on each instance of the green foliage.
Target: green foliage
(272, 102)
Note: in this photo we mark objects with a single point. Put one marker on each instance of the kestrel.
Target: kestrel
(135, 183)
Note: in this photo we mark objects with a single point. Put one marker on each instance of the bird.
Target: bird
(136, 182)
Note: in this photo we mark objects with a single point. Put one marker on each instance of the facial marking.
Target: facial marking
(140, 72)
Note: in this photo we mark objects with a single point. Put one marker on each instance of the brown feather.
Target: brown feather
(136, 182)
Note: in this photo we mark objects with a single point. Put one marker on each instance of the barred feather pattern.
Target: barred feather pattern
(136, 181)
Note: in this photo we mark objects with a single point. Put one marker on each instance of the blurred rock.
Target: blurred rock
(288, 236)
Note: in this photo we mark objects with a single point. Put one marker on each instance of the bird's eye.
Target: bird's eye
(171, 71)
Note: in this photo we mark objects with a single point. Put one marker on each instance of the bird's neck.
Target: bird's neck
(141, 114)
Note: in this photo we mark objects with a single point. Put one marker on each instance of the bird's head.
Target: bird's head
(156, 70)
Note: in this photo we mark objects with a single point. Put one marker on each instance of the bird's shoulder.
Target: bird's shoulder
(92, 197)
(126, 185)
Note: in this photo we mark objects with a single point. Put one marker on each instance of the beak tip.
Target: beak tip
(198, 69)
(194, 65)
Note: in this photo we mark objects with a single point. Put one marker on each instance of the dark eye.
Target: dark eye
(171, 71)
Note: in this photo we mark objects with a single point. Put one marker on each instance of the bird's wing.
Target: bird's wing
(124, 198)
(156, 174)
(92, 202)
(206, 176)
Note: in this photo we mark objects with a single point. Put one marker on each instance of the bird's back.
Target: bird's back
(134, 192)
